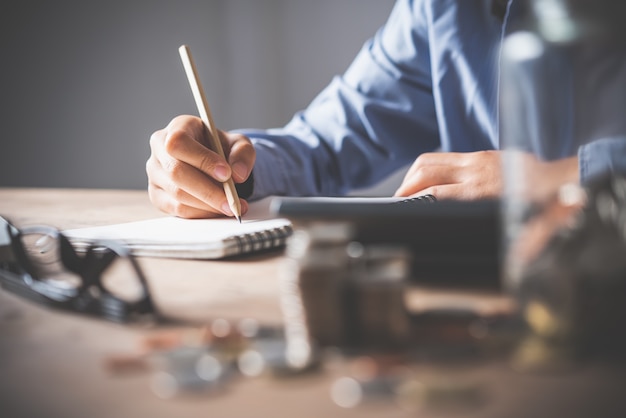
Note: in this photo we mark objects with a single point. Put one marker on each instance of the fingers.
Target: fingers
(464, 176)
(178, 192)
(417, 180)
(167, 203)
(182, 205)
(185, 141)
(241, 155)
(185, 184)
(430, 169)
(185, 176)
(449, 191)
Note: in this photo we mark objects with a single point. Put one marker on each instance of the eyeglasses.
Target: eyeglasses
(105, 280)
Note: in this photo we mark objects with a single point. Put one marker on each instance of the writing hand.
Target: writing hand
(184, 175)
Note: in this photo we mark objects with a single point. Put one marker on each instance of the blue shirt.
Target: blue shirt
(428, 80)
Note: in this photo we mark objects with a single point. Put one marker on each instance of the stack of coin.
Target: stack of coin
(311, 289)
(378, 277)
(338, 292)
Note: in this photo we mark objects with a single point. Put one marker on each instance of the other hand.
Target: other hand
(452, 175)
(478, 175)
(185, 176)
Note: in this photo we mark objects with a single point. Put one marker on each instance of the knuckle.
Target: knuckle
(156, 196)
(187, 120)
(210, 197)
(152, 192)
(239, 139)
(422, 159)
(174, 141)
(244, 147)
(206, 163)
(177, 193)
(149, 166)
(482, 155)
(488, 155)
(214, 198)
(155, 138)
(178, 209)
(418, 164)
(178, 119)
(420, 173)
(152, 166)
(174, 169)
(240, 148)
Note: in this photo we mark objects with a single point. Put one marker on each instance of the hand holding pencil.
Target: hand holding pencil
(191, 173)
(207, 118)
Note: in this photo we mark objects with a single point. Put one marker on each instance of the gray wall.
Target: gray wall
(83, 84)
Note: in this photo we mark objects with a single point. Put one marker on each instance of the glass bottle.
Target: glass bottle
(563, 90)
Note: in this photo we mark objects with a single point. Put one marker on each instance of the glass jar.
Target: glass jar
(563, 91)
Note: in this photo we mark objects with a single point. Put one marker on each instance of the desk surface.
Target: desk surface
(52, 364)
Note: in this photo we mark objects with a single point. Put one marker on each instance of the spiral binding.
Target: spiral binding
(427, 198)
(263, 240)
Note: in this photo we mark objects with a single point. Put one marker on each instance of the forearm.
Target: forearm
(366, 124)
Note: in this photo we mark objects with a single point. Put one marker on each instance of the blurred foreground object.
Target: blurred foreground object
(573, 292)
(562, 95)
(563, 87)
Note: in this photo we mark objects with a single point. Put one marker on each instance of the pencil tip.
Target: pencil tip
(238, 218)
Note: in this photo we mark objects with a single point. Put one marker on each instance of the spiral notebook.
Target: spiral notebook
(171, 237)
(220, 238)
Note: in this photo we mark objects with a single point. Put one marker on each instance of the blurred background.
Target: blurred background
(84, 84)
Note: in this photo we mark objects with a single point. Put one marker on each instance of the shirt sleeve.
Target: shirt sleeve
(375, 118)
(602, 157)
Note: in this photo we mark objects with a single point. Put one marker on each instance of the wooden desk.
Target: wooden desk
(52, 363)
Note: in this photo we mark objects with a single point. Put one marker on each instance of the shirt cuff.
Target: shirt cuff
(267, 170)
(245, 189)
(602, 157)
